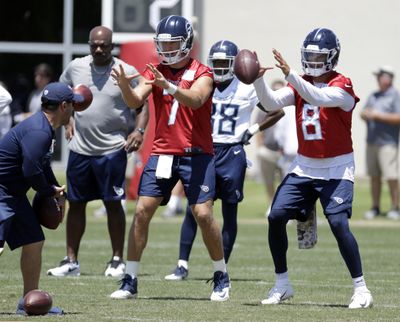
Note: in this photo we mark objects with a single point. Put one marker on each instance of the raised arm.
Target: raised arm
(325, 96)
(273, 100)
(194, 97)
(133, 97)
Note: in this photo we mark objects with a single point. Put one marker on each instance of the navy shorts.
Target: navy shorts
(197, 174)
(300, 194)
(96, 177)
(18, 223)
(230, 168)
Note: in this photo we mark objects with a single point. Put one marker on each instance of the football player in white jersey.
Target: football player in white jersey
(233, 103)
(324, 166)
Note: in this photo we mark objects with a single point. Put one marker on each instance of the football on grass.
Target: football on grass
(84, 91)
(48, 211)
(246, 66)
(37, 302)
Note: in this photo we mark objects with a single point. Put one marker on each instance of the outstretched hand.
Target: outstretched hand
(262, 70)
(159, 79)
(121, 79)
(282, 64)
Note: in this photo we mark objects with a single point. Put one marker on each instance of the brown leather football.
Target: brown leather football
(48, 211)
(37, 302)
(87, 95)
(246, 66)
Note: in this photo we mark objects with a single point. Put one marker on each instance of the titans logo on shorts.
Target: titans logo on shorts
(299, 193)
(230, 168)
(197, 174)
(96, 177)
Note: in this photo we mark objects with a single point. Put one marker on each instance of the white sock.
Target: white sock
(132, 268)
(282, 279)
(359, 284)
(183, 263)
(219, 266)
(116, 258)
(173, 202)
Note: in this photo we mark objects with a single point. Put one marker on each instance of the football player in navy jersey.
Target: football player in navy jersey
(182, 90)
(324, 167)
(233, 104)
(25, 153)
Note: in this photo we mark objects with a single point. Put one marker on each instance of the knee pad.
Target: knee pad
(279, 216)
(339, 223)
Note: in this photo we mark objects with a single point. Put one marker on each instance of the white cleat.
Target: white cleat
(66, 268)
(279, 294)
(115, 268)
(122, 295)
(361, 300)
(128, 289)
(222, 285)
(179, 274)
(393, 214)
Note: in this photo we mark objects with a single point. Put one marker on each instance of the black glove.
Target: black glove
(246, 137)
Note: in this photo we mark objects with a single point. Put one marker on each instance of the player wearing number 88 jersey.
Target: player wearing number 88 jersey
(233, 104)
(324, 166)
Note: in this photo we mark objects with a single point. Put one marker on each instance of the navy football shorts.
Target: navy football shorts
(298, 194)
(197, 174)
(96, 177)
(230, 168)
(18, 223)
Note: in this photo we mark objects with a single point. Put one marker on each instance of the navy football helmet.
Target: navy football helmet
(320, 52)
(221, 58)
(174, 39)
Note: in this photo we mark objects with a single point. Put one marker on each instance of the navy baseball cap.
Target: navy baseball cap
(56, 93)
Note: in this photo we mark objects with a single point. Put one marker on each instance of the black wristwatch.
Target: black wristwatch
(140, 130)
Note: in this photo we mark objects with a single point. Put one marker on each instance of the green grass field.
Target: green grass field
(322, 285)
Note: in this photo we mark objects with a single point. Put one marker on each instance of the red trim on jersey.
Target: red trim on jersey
(334, 124)
(191, 128)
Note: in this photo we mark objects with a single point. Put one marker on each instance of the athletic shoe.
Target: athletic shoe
(65, 268)
(128, 289)
(361, 300)
(307, 231)
(221, 287)
(180, 273)
(115, 268)
(102, 212)
(172, 212)
(55, 310)
(1, 250)
(371, 214)
(393, 214)
(278, 294)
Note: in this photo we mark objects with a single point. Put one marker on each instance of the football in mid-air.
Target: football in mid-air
(37, 302)
(84, 91)
(246, 66)
(48, 211)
